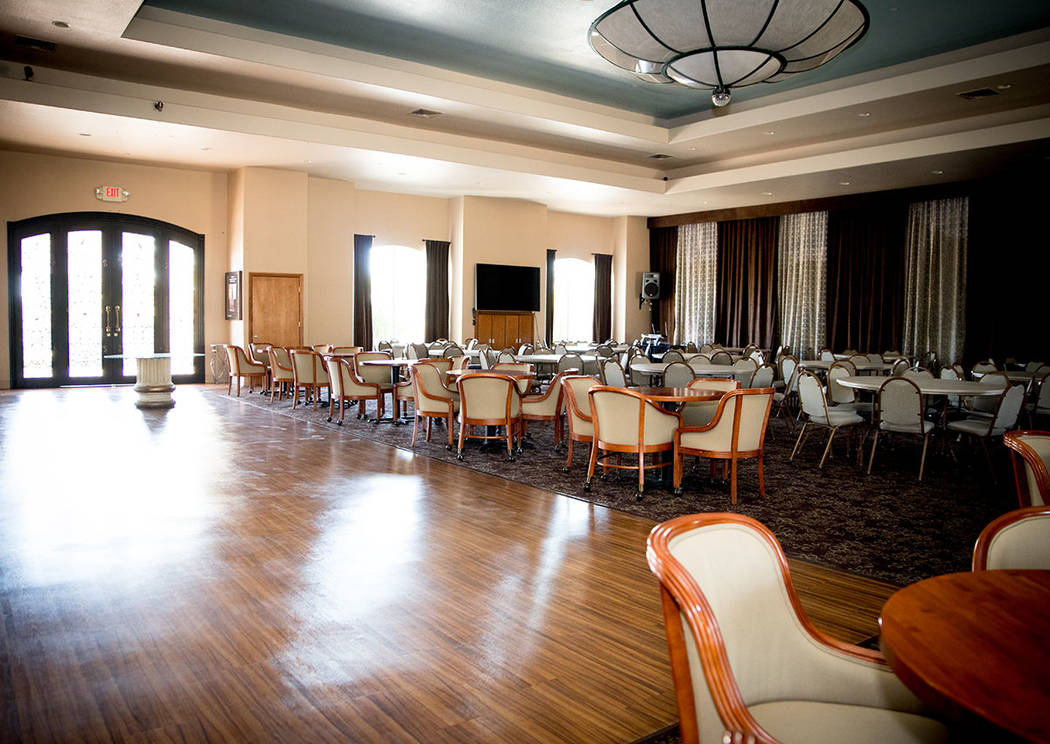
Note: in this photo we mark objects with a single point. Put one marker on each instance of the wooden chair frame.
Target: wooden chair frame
(317, 362)
(278, 386)
(1021, 453)
(984, 540)
(572, 407)
(511, 424)
(639, 449)
(681, 597)
(419, 392)
(237, 357)
(335, 364)
(553, 389)
(734, 398)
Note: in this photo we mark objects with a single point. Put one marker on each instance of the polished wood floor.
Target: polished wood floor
(220, 573)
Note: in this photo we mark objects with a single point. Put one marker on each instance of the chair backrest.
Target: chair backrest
(678, 374)
(604, 350)
(577, 405)
(858, 359)
(789, 373)
(280, 363)
(460, 362)
(1032, 448)
(613, 374)
(444, 364)
(321, 348)
(917, 373)
(428, 387)
(743, 369)
(624, 417)
(345, 349)
(550, 401)
(714, 383)
(899, 367)
(690, 347)
(488, 395)
(1019, 539)
(512, 367)
(811, 393)
(739, 423)
(705, 348)
(827, 355)
(417, 351)
(569, 361)
(344, 381)
(308, 367)
(259, 355)
(721, 357)
(471, 343)
(762, 377)
(875, 358)
(1008, 409)
(375, 375)
(840, 393)
(733, 616)
(384, 346)
(507, 355)
(985, 366)
(901, 404)
(699, 359)
(674, 355)
(757, 357)
(526, 349)
(561, 348)
(487, 357)
(452, 351)
(949, 373)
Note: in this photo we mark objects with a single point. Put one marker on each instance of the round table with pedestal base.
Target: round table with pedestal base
(152, 378)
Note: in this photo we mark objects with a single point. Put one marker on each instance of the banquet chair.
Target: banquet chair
(349, 350)
(789, 370)
(721, 357)
(489, 399)
(746, 352)
(380, 376)
(747, 662)
(678, 374)
(900, 411)
(951, 373)
(917, 373)
(842, 397)
(706, 348)
(1041, 405)
(757, 357)
(452, 350)
(281, 374)
(561, 348)
(856, 359)
(1030, 453)
(487, 358)
(815, 408)
(545, 406)
(762, 377)
(737, 431)
(460, 362)
(875, 358)
(417, 351)
(526, 349)
(569, 361)
(346, 387)
(405, 391)
(899, 367)
(826, 355)
(1017, 540)
(577, 411)
(984, 405)
(524, 384)
(310, 374)
(674, 355)
(1004, 417)
(604, 350)
(433, 399)
(983, 367)
(691, 347)
(626, 422)
(701, 412)
(242, 367)
(470, 343)
(743, 369)
(612, 374)
(506, 357)
(385, 346)
(321, 348)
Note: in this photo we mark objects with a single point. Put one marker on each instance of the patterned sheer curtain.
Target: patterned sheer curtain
(697, 279)
(935, 278)
(803, 254)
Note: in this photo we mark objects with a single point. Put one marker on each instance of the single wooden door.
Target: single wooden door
(275, 309)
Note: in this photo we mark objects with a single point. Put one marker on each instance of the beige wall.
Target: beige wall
(630, 261)
(235, 247)
(579, 235)
(32, 185)
(455, 280)
(330, 260)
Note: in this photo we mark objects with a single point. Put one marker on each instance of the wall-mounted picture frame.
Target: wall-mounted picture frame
(233, 295)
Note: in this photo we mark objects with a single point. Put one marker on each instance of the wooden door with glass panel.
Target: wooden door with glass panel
(87, 286)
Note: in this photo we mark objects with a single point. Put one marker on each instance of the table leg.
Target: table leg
(153, 383)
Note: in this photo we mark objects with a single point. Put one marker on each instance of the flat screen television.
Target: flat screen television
(501, 287)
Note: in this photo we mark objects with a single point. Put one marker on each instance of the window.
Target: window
(399, 292)
(573, 299)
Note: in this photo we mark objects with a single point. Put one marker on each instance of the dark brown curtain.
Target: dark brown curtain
(865, 290)
(363, 291)
(747, 308)
(601, 327)
(548, 326)
(435, 324)
(663, 257)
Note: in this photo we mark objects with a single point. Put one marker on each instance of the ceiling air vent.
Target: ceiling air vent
(423, 113)
(38, 44)
(660, 156)
(971, 95)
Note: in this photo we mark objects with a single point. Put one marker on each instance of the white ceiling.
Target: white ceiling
(236, 96)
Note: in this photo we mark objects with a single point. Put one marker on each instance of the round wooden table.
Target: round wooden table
(976, 642)
(677, 394)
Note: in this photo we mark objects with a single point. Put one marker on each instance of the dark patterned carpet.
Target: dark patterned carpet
(886, 526)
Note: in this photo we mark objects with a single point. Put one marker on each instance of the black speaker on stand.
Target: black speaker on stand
(651, 285)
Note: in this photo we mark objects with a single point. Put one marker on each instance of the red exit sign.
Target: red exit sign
(111, 194)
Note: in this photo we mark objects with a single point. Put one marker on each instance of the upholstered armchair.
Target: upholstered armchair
(309, 373)
(347, 387)
(578, 411)
(242, 367)
(547, 406)
(433, 399)
(1030, 453)
(488, 399)
(1019, 539)
(281, 373)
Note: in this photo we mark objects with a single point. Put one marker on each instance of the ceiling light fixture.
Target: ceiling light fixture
(59, 24)
(724, 45)
(767, 193)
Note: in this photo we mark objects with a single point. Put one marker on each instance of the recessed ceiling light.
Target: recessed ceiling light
(85, 134)
(844, 183)
(1004, 86)
(864, 114)
(693, 149)
(769, 133)
(937, 172)
(205, 148)
(60, 24)
(767, 193)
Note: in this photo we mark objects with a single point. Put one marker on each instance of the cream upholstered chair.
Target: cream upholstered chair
(875, 358)
(257, 355)
(743, 369)
(281, 374)
(568, 361)
(546, 406)
(346, 350)
(984, 405)
(406, 391)
(1030, 453)
(241, 367)
(917, 373)
(577, 410)
(310, 374)
(489, 399)
(346, 387)
(678, 374)
(757, 357)
(612, 373)
(900, 411)
(984, 367)
(721, 356)
(524, 383)
(789, 370)
(433, 398)
(460, 362)
(701, 413)
(737, 431)
(826, 355)
(381, 376)
(842, 397)
(762, 377)
(815, 408)
(899, 367)
(417, 351)
(1019, 539)
(747, 662)
(674, 355)
(625, 422)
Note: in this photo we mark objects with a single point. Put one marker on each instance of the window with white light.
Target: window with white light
(399, 288)
(573, 299)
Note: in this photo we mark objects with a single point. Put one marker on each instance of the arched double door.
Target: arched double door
(89, 285)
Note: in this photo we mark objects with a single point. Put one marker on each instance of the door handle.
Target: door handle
(108, 334)
(118, 321)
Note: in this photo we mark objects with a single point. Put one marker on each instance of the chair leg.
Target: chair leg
(462, 436)
(415, 428)
(295, 395)
(827, 449)
(590, 465)
(568, 459)
(641, 472)
(238, 386)
(509, 427)
(448, 425)
(676, 478)
(874, 444)
(922, 462)
(988, 459)
(761, 476)
(799, 440)
(732, 481)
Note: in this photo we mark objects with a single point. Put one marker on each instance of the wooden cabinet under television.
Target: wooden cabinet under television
(503, 328)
